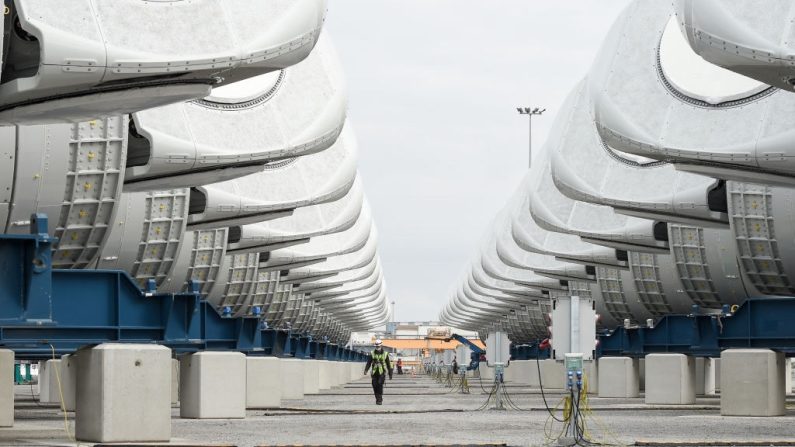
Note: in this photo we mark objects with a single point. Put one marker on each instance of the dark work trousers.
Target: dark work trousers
(378, 387)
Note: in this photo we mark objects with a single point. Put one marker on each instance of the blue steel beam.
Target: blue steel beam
(529, 352)
(46, 312)
(764, 322)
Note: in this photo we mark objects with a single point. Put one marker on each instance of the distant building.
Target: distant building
(403, 332)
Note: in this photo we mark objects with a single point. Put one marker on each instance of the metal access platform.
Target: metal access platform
(46, 312)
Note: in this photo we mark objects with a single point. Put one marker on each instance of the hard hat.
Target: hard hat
(378, 342)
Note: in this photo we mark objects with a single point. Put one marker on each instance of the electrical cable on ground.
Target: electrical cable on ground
(69, 434)
(576, 410)
(543, 396)
(33, 395)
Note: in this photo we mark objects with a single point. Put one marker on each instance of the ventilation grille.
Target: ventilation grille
(93, 189)
(690, 256)
(646, 272)
(751, 218)
(164, 224)
(610, 284)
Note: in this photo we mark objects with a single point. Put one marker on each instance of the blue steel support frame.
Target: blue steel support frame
(322, 350)
(45, 311)
(529, 352)
(302, 350)
(313, 350)
(759, 323)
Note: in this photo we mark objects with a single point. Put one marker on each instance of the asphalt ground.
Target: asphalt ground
(421, 411)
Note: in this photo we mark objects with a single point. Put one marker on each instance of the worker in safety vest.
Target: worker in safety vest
(379, 361)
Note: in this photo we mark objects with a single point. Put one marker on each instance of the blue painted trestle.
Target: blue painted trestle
(44, 311)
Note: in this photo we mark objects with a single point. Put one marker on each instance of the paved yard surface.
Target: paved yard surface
(419, 411)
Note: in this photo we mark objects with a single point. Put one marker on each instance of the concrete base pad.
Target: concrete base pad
(523, 372)
(58, 381)
(642, 368)
(263, 382)
(711, 376)
(123, 393)
(700, 376)
(591, 371)
(486, 373)
(212, 385)
(326, 378)
(48, 383)
(553, 374)
(174, 382)
(6, 388)
(68, 381)
(752, 383)
(292, 380)
(343, 373)
(619, 377)
(510, 373)
(670, 379)
(356, 370)
(311, 376)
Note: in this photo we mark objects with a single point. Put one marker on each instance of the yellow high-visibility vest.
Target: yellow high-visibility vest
(379, 362)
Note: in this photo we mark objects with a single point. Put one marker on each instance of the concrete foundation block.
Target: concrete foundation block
(174, 382)
(6, 388)
(642, 374)
(534, 373)
(292, 372)
(311, 377)
(68, 382)
(48, 382)
(326, 376)
(670, 379)
(355, 371)
(752, 382)
(212, 385)
(700, 383)
(38, 376)
(263, 382)
(486, 373)
(57, 378)
(123, 393)
(619, 377)
(509, 375)
(591, 371)
(788, 375)
(335, 374)
(711, 376)
(553, 374)
(343, 373)
(523, 372)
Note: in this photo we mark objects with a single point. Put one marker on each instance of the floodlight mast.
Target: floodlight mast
(530, 112)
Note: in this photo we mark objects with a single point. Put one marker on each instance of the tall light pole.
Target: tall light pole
(530, 112)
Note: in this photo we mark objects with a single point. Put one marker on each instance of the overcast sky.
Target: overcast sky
(434, 86)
